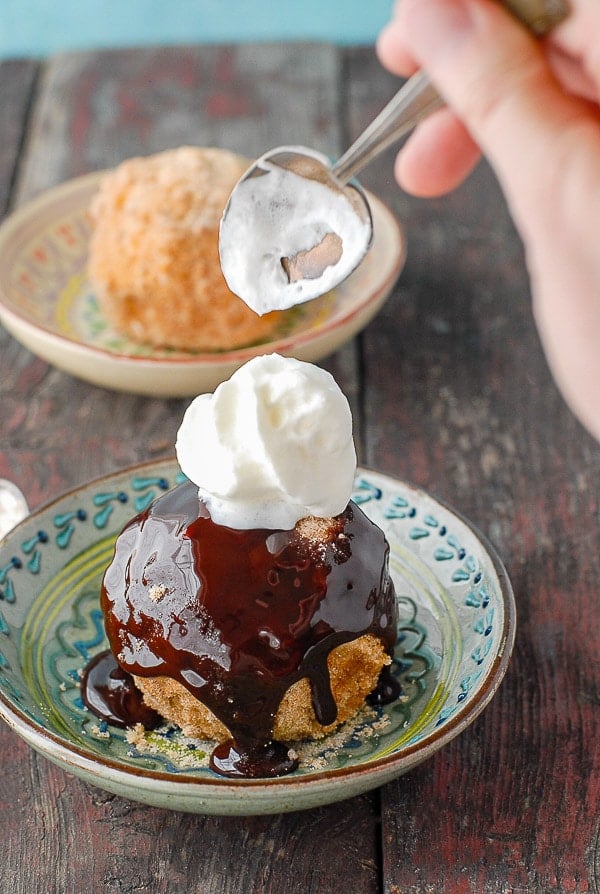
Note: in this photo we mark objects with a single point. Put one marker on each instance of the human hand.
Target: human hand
(533, 108)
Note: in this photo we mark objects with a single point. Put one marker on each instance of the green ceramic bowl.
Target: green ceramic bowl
(455, 635)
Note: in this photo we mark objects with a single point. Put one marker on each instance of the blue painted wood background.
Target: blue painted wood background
(41, 27)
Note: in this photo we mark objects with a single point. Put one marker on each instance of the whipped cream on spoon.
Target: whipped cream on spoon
(290, 231)
(294, 226)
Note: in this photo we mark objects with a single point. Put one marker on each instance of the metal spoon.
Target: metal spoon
(305, 268)
(326, 252)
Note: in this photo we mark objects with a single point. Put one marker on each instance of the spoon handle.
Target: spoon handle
(418, 98)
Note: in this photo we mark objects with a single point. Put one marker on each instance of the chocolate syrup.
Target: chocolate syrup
(387, 689)
(264, 760)
(111, 694)
(238, 616)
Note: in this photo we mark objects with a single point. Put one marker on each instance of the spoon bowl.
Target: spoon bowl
(292, 230)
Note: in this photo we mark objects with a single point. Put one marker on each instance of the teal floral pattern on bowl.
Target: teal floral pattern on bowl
(455, 634)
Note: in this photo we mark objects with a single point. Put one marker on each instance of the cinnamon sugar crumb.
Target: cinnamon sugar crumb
(320, 530)
(157, 591)
(100, 733)
(136, 735)
(182, 750)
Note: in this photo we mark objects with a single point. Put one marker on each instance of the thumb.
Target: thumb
(493, 73)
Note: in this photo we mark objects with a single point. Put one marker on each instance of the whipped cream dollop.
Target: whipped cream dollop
(271, 445)
(278, 215)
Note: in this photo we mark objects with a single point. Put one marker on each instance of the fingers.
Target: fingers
(495, 76)
(577, 37)
(393, 51)
(571, 74)
(437, 157)
(544, 144)
(440, 153)
(533, 110)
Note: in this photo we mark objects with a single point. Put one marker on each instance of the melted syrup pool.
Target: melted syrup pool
(111, 694)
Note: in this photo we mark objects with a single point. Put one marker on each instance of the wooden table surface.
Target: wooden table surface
(449, 390)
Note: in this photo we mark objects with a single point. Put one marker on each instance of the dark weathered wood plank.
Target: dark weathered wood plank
(76, 838)
(474, 417)
(92, 111)
(17, 80)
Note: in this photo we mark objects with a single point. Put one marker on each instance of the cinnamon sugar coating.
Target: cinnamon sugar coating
(153, 257)
(354, 669)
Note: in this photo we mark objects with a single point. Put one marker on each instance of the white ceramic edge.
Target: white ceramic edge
(159, 377)
(284, 794)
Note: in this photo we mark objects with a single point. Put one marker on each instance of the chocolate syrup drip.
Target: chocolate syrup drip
(238, 616)
(387, 689)
(265, 760)
(111, 694)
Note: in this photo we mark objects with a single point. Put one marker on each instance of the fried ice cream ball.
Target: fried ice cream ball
(153, 258)
(354, 669)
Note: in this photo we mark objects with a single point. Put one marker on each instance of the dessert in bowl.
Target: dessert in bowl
(252, 604)
(153, 253)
